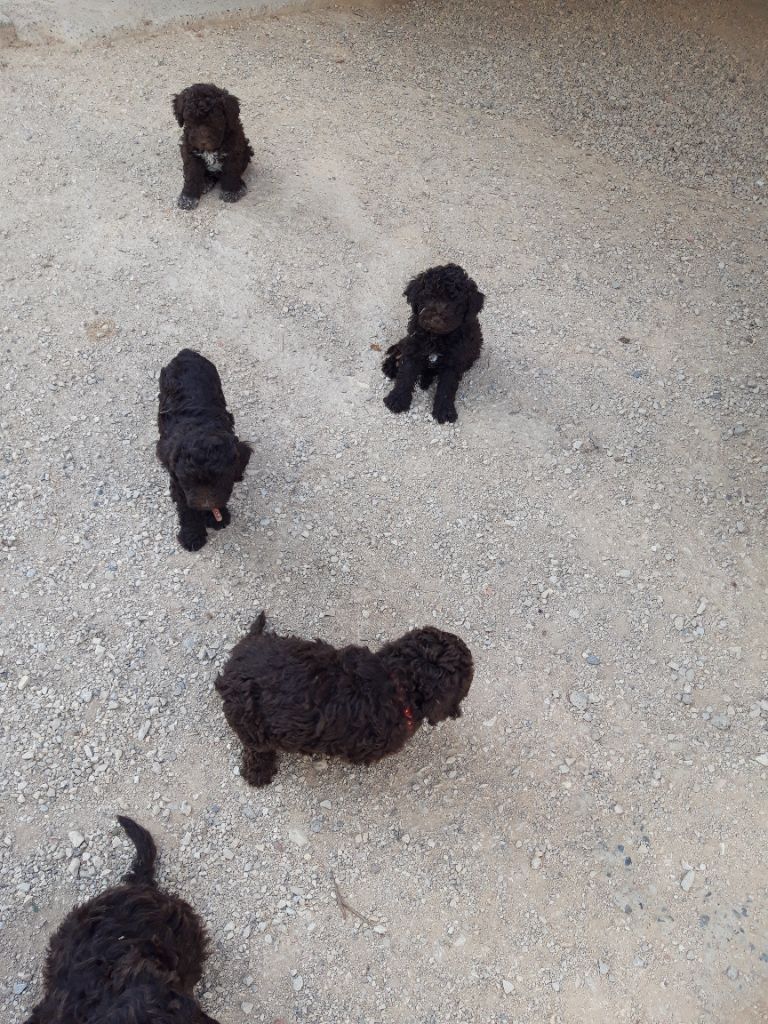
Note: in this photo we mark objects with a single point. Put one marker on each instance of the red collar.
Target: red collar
(407, 710)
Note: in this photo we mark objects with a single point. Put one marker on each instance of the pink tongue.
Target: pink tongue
(216, 515)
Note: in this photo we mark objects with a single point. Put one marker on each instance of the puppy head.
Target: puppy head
(207, 465)
(438, 668)
(207, 114)
(443, 298)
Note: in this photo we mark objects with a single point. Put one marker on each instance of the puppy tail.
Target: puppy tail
(259, 625)
(142, 870)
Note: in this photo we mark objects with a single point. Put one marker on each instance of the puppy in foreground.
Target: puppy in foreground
(307, 697)
(444, 339)
(132, 955)
(213, 144)
(198, 446)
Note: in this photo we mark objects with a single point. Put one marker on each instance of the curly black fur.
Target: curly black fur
(213, 146)
(198, 446)
(444, 339)
(304, 696)
(132, 955)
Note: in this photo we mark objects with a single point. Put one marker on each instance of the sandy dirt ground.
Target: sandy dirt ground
(78, 21)
(588, 843)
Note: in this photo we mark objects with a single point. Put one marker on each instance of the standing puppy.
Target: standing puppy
(444, 339)
(198, 446)
(213, 146)
(133, 954)
(306, 697)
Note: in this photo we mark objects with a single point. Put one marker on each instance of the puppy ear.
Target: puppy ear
(413, 288)
(476, 299)
(166, 452)
(244, 453)
(178, 107)
(232, 112)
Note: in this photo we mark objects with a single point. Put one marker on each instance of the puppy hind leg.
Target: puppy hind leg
(391, 361)
(399, 398)
(259, 767)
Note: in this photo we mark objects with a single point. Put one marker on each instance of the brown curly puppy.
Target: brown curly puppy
(132, 955)
(306, 697)
(444, 339)
(213, 146)
(198, 446)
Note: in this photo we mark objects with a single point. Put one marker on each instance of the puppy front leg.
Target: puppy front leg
(194, 179)
(231, 181)
(444, 409)
(399, 398)
(259, 767)
(191, 535)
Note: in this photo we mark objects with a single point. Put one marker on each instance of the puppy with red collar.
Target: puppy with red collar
(307, 697)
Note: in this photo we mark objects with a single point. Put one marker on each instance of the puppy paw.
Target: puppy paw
(425, 381)
(396, 402)
(191, 541)
(445, 413)
(259, 769)
(218, 524)
(232, 197)
(185, 202)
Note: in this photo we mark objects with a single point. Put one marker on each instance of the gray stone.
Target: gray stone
(579, 699)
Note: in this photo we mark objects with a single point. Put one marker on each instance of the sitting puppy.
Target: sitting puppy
(133, 954)
(444, 339)
(198, 446)
(213, 145)
(306, 697)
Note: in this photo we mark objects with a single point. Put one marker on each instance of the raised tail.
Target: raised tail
(259, 625)
(142, 870)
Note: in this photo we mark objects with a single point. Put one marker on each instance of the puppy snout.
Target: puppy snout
(204, 142)
(432, 323)
(204, 502)
(435, 318)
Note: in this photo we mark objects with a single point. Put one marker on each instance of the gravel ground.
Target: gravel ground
(588, 841)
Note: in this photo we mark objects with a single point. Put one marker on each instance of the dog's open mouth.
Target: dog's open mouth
(216, 515)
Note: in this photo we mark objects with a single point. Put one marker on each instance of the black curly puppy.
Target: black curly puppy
(444, 339)
(198, 446)
(306, 697)
(132, 955)
(213, 146)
